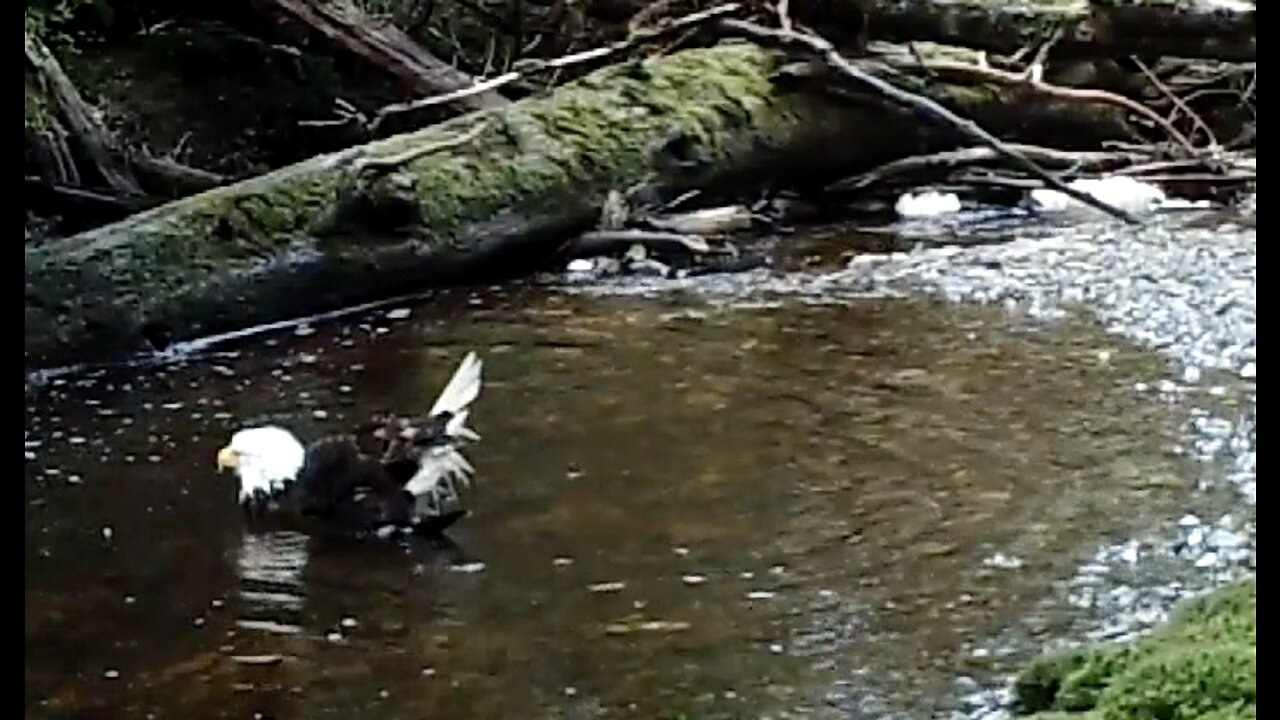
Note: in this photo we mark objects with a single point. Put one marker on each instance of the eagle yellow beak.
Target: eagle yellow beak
(227, 459)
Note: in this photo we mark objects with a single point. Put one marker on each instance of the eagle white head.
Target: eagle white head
(266, 459)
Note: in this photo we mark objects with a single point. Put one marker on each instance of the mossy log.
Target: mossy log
(423, 209)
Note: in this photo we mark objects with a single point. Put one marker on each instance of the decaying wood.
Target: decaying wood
(170, 178)
(80, 120)
(707, 221)
(387, 47)
(610, 242)
(926, 106)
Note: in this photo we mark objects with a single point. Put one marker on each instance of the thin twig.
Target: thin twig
(924, 105)
(1177, 101)
(525, 68)
(384, 163)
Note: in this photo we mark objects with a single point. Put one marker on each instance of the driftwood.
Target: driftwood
(386, 47)
(610, 242)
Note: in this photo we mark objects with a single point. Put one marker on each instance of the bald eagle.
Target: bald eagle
(392, 475)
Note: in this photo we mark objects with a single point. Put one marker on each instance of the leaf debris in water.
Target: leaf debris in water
(605, 587)
(271, 659)
(626, 628)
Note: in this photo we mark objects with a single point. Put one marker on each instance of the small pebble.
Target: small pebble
(775, 648)
(694, 579)
(111, 674)
(398, 313)
(348, 622)
(761, 595)
(472, 567)
(562, 561)
(107, 532)
(606, 587)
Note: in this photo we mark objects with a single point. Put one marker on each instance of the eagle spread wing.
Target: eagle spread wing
(394, 471)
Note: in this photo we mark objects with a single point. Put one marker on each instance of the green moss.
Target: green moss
(602, 132)
(1201, 664)
(1184, 681)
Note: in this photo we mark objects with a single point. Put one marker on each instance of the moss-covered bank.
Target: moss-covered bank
(1201, 665)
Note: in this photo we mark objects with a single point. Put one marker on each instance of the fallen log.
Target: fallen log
(1096, 28)
(1224, 30)
(482, 196)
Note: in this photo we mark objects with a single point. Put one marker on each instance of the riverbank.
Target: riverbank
(1201, 664)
